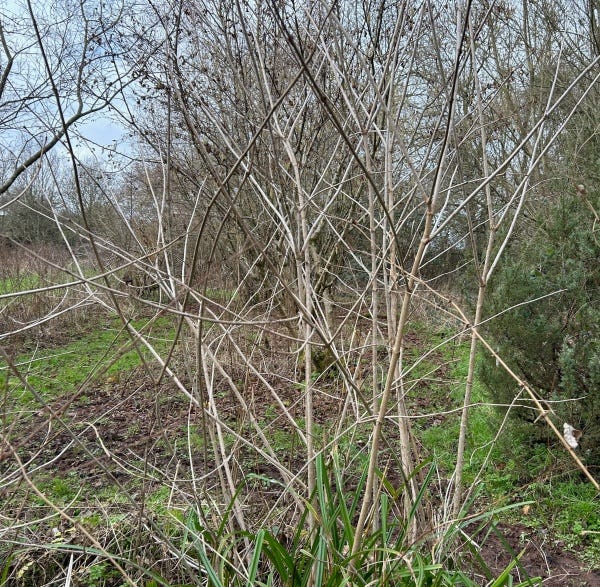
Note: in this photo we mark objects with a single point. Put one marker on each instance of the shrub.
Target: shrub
(548, 327)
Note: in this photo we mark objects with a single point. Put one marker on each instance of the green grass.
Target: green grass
(568, 510)
(102, 353)
(61, 490)
(80, 366)
(23, 282)
(220, 295)
(564, 505)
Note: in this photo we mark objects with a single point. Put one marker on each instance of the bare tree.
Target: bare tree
(61, 64)
(308, 184)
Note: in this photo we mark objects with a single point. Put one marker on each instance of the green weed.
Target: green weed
(322, 556)
(100, 574)
(20, 282)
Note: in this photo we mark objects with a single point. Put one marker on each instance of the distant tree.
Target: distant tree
(30, 221)
(49, 86)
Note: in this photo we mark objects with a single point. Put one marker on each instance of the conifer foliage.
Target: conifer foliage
(544, 316)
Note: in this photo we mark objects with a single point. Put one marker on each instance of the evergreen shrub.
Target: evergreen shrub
(544, 318)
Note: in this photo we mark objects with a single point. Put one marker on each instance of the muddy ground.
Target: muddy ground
(129, 420)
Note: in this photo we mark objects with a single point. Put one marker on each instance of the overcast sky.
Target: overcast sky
(101, 129)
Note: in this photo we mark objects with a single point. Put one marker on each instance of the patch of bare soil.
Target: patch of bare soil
(130, 421)
(127, 428)
(542, 557)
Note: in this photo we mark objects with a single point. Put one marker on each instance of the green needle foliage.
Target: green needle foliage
(546, 308)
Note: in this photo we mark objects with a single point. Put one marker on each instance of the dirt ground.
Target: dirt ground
(129, 418)
(543, 557)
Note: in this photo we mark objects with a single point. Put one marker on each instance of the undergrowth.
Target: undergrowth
(166, 530)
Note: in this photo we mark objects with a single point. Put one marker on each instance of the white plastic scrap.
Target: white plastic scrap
(572, 435)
